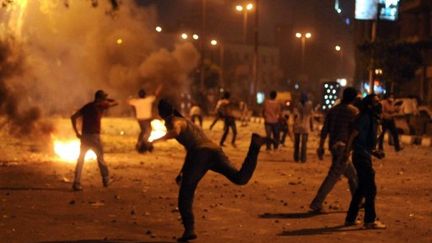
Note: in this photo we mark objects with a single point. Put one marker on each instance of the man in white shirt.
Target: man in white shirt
(143, 111)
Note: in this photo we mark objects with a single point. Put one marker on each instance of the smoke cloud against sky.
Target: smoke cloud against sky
(70, 51)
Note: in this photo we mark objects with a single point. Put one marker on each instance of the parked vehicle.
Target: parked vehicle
(413, 119)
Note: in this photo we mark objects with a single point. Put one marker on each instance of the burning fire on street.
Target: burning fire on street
(68, 150)
(158, 130)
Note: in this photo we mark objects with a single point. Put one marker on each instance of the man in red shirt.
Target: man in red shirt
(91, 115)
(272, 112)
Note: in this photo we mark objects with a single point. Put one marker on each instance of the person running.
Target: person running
(195, 113)
(229, 120)
(389, 110)
(302, 126)
(272, 113)
(201, 155)
(362, 141)
(143, 111)
(91, 115)
(218, 109)
(337, 126)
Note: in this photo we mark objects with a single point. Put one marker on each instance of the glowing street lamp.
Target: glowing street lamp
(245, 9)
(338, 49)
(158, 29)
(195, 36)
(303, 37)
(119, 41)
(184, 36)
(213, 42)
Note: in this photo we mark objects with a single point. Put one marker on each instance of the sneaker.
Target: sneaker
(375, 225)
(352, 223)
(77, 187)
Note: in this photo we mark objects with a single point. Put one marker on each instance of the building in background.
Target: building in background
(415, 26)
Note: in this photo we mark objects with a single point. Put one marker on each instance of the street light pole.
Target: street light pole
(255, 67)
(245, 20)
(339, 50)
(202, 43)
(303, 37)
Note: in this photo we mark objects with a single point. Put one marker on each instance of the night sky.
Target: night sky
(315, 16)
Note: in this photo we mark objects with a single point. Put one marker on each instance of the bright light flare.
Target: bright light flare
(338, 48)
(158, 130)
(68, 150)
(308, 35)
(239, 8)
(250, 6)
(298, 35)
(158, 29)
(119, 41)
(213, 42)
(195, 36)
(184, 36)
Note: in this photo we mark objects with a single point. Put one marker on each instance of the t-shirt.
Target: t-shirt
(338, 123)
(303, 118)
(272, 111)
(388, 109)
(143, 107)
(91, 116)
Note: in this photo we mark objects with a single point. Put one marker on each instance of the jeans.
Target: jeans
(338, 168)
(366, 188)
(229, 122)
(93, 142)
(198, 162)
(389, 124)
(142, 142)
(283, 133)
(217, 117)
(272, 132)
(300, 145)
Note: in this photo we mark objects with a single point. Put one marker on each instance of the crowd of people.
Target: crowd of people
(352, 127)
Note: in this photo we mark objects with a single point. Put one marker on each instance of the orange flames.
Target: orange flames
(158, 130)
(68, 150)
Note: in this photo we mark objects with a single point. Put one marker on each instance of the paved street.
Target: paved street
(37, 204)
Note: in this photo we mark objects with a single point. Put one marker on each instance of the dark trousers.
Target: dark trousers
(229, 122)
(197, 117)
(300, 147)
(389, 124)
(283, 133)
(142, 142)
(198, 162)
(366, 188)
(339, 167)
(272, 132)
(217, 117)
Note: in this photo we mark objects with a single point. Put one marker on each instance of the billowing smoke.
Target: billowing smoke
(60, 55)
